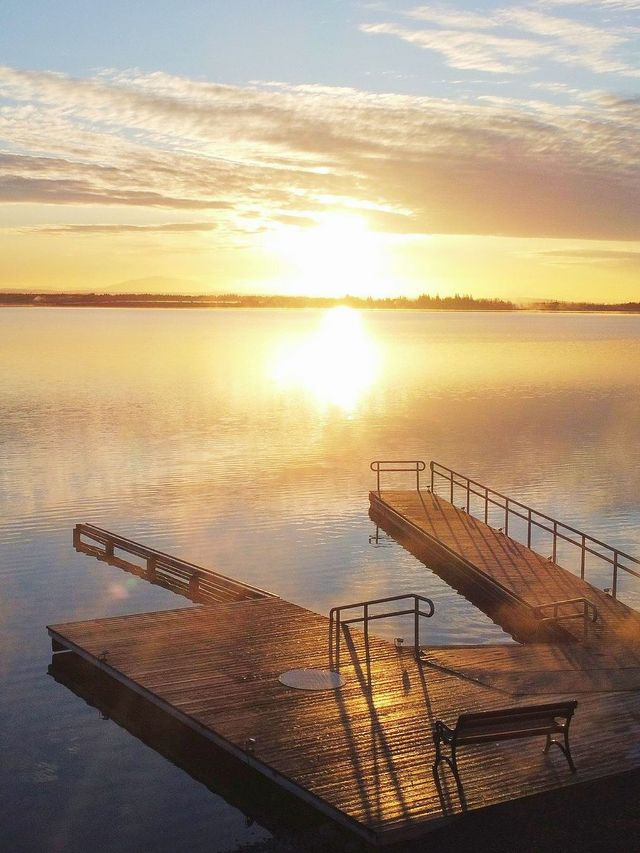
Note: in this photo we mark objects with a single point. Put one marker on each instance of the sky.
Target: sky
(326, 147)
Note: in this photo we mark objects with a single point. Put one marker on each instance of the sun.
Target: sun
(338, 256)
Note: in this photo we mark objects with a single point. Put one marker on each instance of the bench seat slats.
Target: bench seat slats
(492, 734)
(550, 709)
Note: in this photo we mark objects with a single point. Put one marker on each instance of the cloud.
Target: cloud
(295, 220)
(462, 38)
(469, 50)
(575, 43)
(621, 5)
(253, 154)
(589, 256)
(14, 188)
(109, 228)
(460, 19)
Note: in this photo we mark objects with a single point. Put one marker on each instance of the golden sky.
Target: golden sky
(484, 149)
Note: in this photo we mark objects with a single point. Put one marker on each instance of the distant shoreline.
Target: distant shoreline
(424, 302)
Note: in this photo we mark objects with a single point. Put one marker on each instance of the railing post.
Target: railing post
(432, 475)
(338, 633)
(582, 557)
(529, 529)
(555, 539)
(194, 585)
(331, 655)
(151, 567)
(366, 623)
(378, 476)
(451, 477)
(418, 476)
(486, 505)
(468, 495)
(416, 627)
(506, 516)
(108, 549)
(614, 588)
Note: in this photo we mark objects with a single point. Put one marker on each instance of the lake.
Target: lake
(241, 440)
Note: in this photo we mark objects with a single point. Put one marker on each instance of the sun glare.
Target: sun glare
(340, 255)
(336, 363)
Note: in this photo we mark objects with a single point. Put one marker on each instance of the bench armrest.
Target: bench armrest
(441, 731)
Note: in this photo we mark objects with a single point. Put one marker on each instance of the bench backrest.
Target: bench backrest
(508, 720)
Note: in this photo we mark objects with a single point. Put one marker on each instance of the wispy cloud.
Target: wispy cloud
(15, 188)
(453, 18)
(623, 5)
(469, 49)
(589, 256)
(111, 228)
(462, 37)
(254, 154)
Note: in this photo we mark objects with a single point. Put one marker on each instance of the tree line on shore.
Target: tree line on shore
(236, 300)
(458, 302)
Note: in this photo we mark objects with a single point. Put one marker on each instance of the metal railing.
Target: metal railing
(336, 622)
(581, 608)
(415, 465)
(589, 610)
(515, 509)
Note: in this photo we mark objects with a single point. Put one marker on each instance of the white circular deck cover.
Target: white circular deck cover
(312, 679)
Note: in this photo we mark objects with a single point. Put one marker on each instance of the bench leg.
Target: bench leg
(567, 751)
(564, 748)
(453, 762)
(450, 759)
(436, 740)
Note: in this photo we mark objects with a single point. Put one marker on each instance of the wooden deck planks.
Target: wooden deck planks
(507, 565)
(362, 754)
(539, 669)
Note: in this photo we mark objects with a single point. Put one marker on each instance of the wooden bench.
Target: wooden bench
(506, 724)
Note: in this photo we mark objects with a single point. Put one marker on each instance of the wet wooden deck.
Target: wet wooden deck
(508, 569)
(542, 668)
(362, 754)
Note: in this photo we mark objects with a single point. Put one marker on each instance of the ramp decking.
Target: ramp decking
(517, 574)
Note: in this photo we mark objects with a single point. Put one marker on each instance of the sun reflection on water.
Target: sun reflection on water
(336, 364)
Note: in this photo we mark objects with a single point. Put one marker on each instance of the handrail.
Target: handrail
(589, 610)
(192, 581)
(417, 465)
(336, 622)
(534, 518)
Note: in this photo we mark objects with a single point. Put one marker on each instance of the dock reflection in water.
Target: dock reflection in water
(241, 787)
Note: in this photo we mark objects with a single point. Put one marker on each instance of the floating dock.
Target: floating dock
(363, 754)
(540, 599)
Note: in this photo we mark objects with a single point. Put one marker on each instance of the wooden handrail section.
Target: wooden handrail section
(200, 585)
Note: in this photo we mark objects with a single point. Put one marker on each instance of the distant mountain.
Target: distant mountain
(156, 284)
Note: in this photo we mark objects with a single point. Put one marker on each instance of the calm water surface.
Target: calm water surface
(241, 440)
